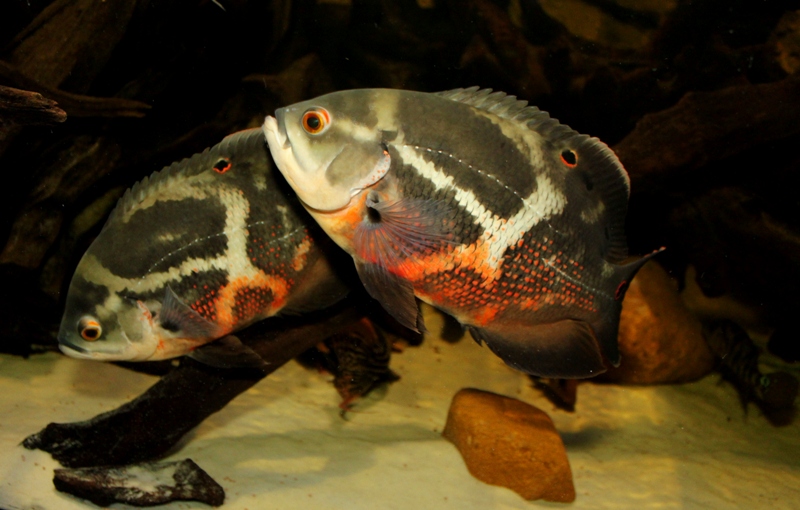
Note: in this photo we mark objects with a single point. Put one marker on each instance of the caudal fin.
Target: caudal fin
(606, 327)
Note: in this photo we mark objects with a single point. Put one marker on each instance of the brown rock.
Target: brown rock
(660, 340)
(509, 443)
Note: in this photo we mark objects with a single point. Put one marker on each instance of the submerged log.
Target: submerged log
(148, 484)
(67, 45)
(668, 147)
(26, 108)
(76, 105)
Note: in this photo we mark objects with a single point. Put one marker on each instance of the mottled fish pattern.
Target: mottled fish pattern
(193, 253)
(473, 202)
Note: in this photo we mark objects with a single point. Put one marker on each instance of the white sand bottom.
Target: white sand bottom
(283, 445)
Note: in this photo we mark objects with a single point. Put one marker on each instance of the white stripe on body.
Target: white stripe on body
(545, 202)
(235, 260)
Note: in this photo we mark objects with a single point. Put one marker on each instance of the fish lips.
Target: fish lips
(277, 126)
(129, 353)
(73, 350)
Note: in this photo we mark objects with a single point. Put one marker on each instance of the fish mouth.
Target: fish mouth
(73, 350)
(276, 126)
(78, 352)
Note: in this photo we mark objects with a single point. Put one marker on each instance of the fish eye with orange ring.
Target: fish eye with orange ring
(316, 120)
(222, 165)
(89, 329)
(569, 157)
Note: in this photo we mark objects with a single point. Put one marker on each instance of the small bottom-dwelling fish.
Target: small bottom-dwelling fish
(477, 204)
(358, 358)
(193, 253)
(738, 357)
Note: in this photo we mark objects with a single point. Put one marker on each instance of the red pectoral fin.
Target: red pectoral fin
(398, 230)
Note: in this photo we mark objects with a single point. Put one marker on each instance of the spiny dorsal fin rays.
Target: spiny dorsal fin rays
(196, 164)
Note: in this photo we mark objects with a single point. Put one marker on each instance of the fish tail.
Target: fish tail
(606, 327)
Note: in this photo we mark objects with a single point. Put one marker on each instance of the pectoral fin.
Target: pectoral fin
(565, 349)
(228, 352)
(395, 294)
(176, 315)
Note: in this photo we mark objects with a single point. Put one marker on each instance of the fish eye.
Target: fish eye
(569, 158)
(222, 166)
(89, 329)
(316, 120)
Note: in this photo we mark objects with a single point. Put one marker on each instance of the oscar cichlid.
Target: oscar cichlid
(473, 202)
(192, 254)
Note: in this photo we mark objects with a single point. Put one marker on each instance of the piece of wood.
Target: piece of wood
(148, 484)
(70, 41)
(26, 108)
(667, 147)
(75, 105)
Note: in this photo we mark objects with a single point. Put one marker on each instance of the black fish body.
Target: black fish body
(477, 204)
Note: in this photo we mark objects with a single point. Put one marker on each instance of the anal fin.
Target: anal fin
(565, 349)
(228, 352)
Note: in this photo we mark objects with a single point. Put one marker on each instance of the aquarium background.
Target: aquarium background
(700, 100)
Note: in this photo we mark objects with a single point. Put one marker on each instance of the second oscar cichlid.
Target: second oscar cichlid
(473, 202)
(192, 254)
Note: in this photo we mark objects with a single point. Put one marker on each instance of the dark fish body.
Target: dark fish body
(477, 204)
(359, 361)
(193, 253)
(739, 358)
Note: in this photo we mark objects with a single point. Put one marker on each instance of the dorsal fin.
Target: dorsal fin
(595, 159)
(186, 167)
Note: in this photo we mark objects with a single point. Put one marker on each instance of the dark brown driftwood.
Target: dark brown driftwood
(26, 108)
(68, 43)
(704, 127)
(133, 485)
(76, 105)
(520, 62)
(150, 425)
(65, 176)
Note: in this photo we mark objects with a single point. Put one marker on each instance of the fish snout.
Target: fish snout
(276, 126)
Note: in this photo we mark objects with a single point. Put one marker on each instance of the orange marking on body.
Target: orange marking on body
(225, 305)
(485, 315)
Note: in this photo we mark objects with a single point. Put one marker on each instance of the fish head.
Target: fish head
(99, 324)
(333, 147)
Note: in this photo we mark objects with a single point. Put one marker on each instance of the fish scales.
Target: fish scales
(476, 203)
(193, 253)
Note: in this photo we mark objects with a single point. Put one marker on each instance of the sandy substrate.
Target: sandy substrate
(283, 444)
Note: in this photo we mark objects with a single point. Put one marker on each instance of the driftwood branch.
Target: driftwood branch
(26, 108)
(705, 127)
(75, 105)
